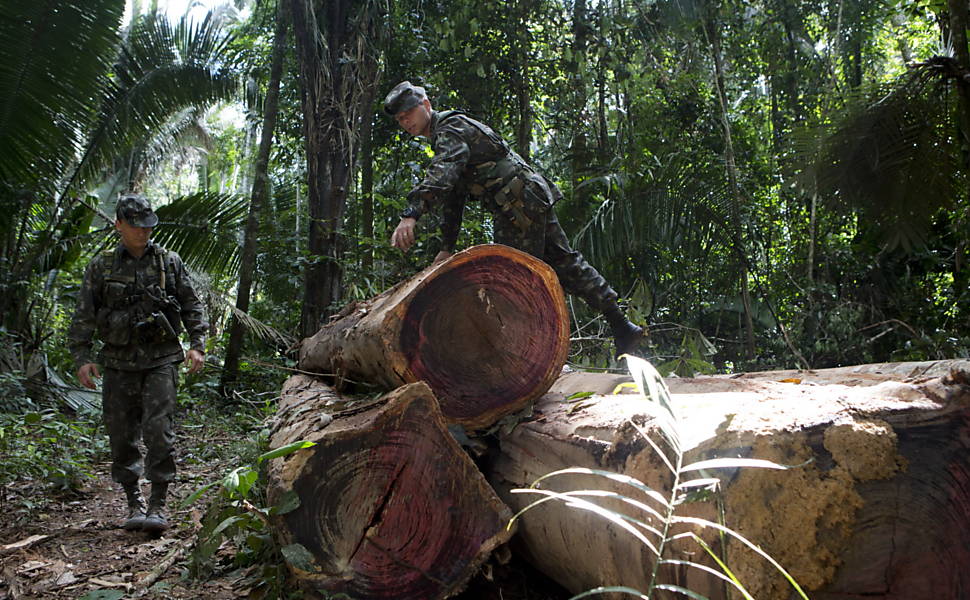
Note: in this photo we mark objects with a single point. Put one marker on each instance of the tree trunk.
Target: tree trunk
(580, 156)
(959, 21)
(335, 62)
(260, 191)
(367, 182)
(487, 329)
(522, 78)
(876, 508)
(714, 34)
(389, 505)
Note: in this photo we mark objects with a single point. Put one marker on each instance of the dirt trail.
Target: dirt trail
(85, 549)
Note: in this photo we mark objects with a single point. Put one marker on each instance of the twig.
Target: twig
(22, 544)
(888, 322)
(281, 368)
(147, 581)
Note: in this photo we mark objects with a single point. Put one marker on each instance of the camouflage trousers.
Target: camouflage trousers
(532, 226)
(141, 404)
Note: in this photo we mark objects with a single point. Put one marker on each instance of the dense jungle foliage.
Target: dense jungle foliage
(767, 183)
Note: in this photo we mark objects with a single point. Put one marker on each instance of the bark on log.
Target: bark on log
(487, 329)
(390, 506)
(880, 512)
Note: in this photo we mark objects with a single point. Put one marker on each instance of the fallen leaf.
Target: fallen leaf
(30, 566)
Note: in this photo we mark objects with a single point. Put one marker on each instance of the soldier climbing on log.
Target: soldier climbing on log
(472, 160)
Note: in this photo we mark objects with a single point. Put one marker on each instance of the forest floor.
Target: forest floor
(74, 548)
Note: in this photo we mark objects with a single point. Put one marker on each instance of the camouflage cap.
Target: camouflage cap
(404, 96)
(136, 210)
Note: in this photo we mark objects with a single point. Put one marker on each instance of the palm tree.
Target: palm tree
(64, 121)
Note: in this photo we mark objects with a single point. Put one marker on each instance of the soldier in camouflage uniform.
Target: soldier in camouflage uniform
(471, 160)
(135, 298)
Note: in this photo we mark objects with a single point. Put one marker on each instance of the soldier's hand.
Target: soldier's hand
(85, 373)
(195, 359)
(403, 236)
(443, 255)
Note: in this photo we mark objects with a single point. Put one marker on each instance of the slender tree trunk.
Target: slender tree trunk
(367, 178)
(523, 134)
(959, 21)
(579, 151)
(714, 35)
(260, 192)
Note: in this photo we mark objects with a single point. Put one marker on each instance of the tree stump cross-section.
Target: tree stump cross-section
(487, 329)
(390, 506)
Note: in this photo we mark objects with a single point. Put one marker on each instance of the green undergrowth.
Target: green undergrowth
(46, 455)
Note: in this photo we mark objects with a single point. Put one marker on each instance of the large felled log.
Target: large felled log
(487, 329)
(390, 507)
(881, 511)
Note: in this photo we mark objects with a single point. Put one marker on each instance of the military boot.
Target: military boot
(627, 336)
(155, 521)
(136, 507)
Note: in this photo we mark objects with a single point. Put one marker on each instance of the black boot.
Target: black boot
(627, 336)
(136, 507)
(155, 521)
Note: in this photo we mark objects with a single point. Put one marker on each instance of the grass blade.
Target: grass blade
(746, 542)
(617, 477)
(572, 500)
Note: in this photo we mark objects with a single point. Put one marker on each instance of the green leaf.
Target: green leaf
(246, 480)
(32, 418)
(579, 396)
(225, 524)
(196, 495)
(285, 450)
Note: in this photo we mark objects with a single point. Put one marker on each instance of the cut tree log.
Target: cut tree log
(390, 507)
(487, 329)
(882, 510)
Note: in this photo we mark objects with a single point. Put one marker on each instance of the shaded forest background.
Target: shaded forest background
(767, 183)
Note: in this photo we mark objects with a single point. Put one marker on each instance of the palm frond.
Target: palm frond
(54, 58)
(162, 70)
(892, 158)
(182, 130)
(671, 207)
(203, 229)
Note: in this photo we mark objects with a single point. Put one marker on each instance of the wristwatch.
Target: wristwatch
(411, 212)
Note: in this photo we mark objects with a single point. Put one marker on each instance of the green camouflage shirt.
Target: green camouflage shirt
(137, 307)
(470, 159)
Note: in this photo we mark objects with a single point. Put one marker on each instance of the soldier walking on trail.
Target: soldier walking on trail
(470, 159)
(135, 299)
